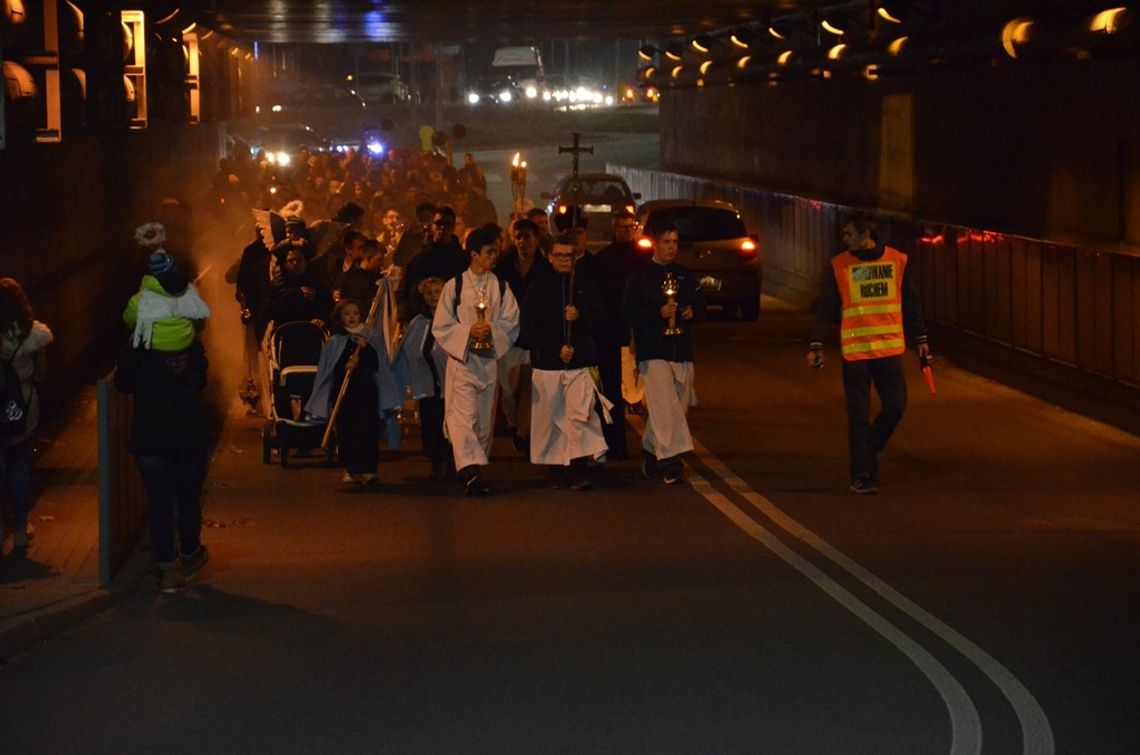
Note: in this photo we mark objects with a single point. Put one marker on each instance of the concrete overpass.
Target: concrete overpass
(995, 139)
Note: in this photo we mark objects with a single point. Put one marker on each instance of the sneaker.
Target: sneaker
(674, 477)
(863, 486)
(348, 478)
(369, 479)
(648, 465)
(170, 578)
(23, 535)
(193, 564)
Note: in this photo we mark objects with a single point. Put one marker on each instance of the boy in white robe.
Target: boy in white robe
(469, 385)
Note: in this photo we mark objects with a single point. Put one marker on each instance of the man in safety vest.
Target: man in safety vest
(876, 306)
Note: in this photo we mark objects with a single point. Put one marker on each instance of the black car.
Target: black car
(588, 200)
(497, 90)
(716, 245)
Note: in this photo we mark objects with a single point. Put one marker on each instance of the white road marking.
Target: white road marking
(965, 725)
(1036, 732)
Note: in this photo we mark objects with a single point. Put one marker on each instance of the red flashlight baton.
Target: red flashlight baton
(928, 373)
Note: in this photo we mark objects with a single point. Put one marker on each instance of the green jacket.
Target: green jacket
(163, 322)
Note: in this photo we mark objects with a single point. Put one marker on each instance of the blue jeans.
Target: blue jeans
(173, 481)
(16, 472)
(865, 439)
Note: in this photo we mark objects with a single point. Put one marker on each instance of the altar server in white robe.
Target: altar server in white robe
(561, 317)
(473, 344)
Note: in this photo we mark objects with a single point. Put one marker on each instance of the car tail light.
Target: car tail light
(644, 244)
(562, 209)
(748, 248)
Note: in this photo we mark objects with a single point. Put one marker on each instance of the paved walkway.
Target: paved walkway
(55, 581)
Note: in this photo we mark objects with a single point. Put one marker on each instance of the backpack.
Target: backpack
(13, 404)
(459, 288)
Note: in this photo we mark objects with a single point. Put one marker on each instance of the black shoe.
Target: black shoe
(478, 488)
(648, 465)
(863, 486)
(557, 476)
(521, 443)
(673, 475)
(580, 482)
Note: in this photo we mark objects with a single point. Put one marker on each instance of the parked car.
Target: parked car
(716, 245)
(589, 198)
(499, 90)
(381, 88)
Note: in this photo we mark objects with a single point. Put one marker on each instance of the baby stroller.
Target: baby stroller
(294, 353)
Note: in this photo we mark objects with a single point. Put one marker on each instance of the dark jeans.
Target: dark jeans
(865, 439)
(436, 447)
(173, 481)
(16, 472)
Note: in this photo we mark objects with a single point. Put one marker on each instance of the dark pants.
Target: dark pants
(609, 369)
(16, 471)
(436, 447)
(865, 439)
(173, 481)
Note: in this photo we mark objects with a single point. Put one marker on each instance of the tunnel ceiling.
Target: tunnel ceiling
(339, 21)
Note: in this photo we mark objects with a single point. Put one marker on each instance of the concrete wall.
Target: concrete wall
(70, 213)
(1050, 151)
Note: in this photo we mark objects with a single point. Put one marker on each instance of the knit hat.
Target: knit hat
(160, 262)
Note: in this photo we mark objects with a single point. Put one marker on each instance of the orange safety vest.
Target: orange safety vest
(871, 292)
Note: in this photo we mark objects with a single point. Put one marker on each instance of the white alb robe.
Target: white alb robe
(469, 386)
(563, 422)
(668, 395)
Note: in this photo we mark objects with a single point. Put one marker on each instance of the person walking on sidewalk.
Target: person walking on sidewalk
(876, 305)
(23, 339)
(662, 301)
(169, 434)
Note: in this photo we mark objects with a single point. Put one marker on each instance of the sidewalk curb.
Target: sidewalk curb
(21, 633)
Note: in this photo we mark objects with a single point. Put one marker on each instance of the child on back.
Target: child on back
(167, 312)
(370, 393)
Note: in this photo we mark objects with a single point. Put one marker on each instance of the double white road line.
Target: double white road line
(966, 726)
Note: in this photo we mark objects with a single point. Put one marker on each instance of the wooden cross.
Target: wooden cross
(575, 151)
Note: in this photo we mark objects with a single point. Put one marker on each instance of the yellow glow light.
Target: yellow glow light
(774, 33)
(785, 56)
(705, 67)
(1107, 21)
(738, 42)
(672, 55)
(829, 27)
(836, 52)
(650, 71)
(886, 16)
(743, 62)
(871, 72)
(895, 48)
(642, 54)
(1014, 33)
(677, 71)
(699, 47)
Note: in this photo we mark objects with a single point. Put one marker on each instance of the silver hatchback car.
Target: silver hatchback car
(716, 245)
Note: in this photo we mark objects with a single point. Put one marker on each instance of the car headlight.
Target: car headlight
(472, 98)
(546, 96)
(531, 92)
(283, 158)
(609, 99)
(271, 157)
(376, 148)
(505, 96)
(277, 108)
